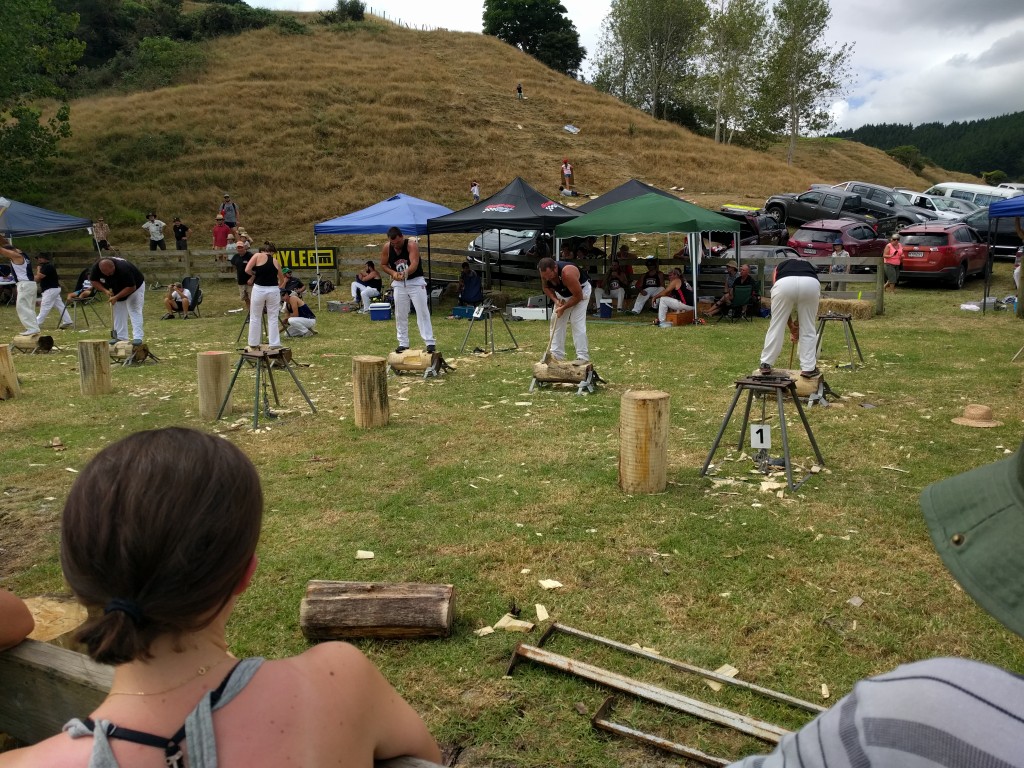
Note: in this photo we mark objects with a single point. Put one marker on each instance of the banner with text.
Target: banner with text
(307, 258)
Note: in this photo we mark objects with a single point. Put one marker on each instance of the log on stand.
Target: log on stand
(9, 386)
(370, 391)
(334, 610)
(214, 371)
(94, 367)
(643, 441)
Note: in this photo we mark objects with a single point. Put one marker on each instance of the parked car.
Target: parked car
(946, 208)
(978, 194)
(815, 238)
(896, 202)
(829, 203)
(949, 252)
(1005, 239)
(749, 253)
(756, 227)
(513, 241)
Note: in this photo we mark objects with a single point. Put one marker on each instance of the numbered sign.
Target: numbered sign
(760, 436)
(478, 312)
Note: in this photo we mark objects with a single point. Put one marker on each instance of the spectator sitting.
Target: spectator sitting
(676, 296)
(83, 286)
(292, 283)
(649, 284)
(614, 285)
(566, 252)
(745, 278)
(16, 622)
(592, 249)
(178, 299)
(471, 291)
(367, 286)
(298, 319)
(731, 275)
(626, 259)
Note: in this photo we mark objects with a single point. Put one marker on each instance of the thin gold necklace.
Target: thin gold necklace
(199, 673)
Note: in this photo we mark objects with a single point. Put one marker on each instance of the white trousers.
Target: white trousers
(643, 297)
(365, 294)
(51, 299)
(577, 316)
(264, 298)
(667, 304)
(412, 292)
(802, 293)
(27, 292)
(130, 309)
(302, 325)
(619, 294)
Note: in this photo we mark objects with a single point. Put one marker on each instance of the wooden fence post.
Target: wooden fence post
(880, 288)
(9, 386)
(94, 367)
(643, 441)
(370, 391)
(214, 370)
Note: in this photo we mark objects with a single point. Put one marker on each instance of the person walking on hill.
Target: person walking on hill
(125, 286)
(229, 210)
(155, 228)
(519, 90)
(474, 190)
(567, 176)
(27, 287)
(220, 233)
(400, 258)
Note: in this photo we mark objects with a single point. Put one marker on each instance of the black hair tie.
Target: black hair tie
(129, 607)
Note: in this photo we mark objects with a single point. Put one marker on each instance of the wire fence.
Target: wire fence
(382, 13)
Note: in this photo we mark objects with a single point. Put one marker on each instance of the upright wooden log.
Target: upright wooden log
(643, 441)
(94, 367)
(9, 386)
(332, 610)
(214, 370)
(370, 391)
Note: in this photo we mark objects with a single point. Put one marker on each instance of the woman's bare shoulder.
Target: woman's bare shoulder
(60, 751)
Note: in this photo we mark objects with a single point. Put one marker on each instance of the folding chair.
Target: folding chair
(740, 305)
(86, 304)
(191, 284)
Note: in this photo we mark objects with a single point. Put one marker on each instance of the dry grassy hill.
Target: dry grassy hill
(303, 128)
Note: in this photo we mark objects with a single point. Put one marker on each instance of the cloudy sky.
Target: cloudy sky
(915, 61)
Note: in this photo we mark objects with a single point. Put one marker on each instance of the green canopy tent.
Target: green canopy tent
(652, 214)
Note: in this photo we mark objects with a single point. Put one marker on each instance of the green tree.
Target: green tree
(731, 66)
(647, 54)
(994, 178)
(908, 155)
(803, 72)
(540, 28)
(37, 52)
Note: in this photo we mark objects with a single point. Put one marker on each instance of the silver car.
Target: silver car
(514, 242)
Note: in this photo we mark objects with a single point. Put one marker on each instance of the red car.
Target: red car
(948, 252)
(815, 238)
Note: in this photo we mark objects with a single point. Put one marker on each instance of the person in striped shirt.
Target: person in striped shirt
(945, 712)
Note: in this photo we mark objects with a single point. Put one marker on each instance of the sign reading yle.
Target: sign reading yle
(306, 258)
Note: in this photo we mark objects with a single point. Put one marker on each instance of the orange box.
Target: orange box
(685, 317)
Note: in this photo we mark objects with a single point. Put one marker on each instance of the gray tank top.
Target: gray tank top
(200, 739)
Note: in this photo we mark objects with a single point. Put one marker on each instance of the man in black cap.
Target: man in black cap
(951, 712)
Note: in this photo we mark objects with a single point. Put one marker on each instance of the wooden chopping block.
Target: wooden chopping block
(570, 372)
(411, 360)
(804, 387)
(122, 350)
(28, 342)
(333, 610)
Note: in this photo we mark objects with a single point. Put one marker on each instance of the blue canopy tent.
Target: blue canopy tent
(408, 213)
(1011, 207)
(23, 220)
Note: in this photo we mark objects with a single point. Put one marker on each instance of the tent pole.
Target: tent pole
(430, 276)
(319, 288)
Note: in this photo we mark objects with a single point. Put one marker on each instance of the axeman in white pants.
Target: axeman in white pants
(795, 286)
(27, 289)
(400, 258)
(125, 287)
(570, 288)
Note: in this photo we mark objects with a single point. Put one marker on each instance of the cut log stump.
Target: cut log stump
(339, 610)
(214, 371)
(370, 391)
(9, 386)
(94, 367)
(643, 441)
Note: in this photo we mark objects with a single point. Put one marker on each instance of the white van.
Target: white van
(979, 194)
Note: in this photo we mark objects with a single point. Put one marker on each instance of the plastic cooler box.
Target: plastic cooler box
(380, 311)
(605, 310)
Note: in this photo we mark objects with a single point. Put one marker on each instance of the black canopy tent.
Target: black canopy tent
(517, 206)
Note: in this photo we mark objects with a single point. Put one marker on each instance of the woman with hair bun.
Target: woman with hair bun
(160, 574)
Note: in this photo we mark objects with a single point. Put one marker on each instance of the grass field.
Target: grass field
(476, 479)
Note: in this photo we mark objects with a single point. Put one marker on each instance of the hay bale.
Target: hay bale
(858, 308)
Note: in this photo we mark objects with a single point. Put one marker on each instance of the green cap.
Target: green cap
(976, 520)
